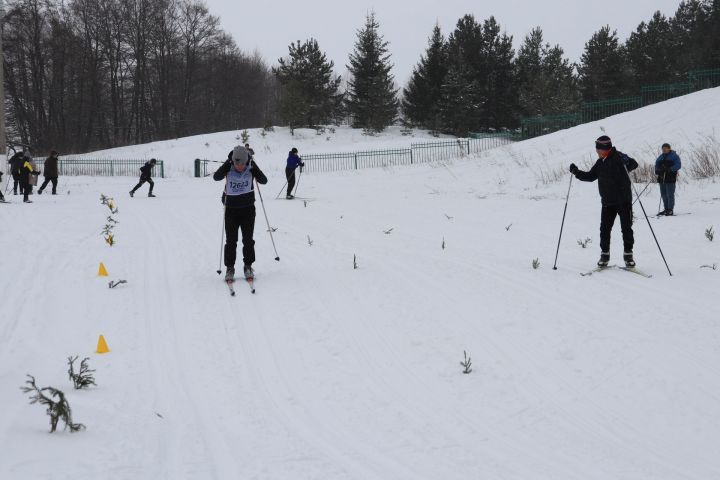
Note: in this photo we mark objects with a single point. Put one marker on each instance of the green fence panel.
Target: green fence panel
(105, 168)
(437, 151)
(536, 126)
(702, 79)
(383, 158)
(329, 162)
(659, 93)
(592, 111)
(480, 142)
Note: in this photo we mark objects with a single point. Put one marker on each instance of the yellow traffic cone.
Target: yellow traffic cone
(102, 272)
(102, 345)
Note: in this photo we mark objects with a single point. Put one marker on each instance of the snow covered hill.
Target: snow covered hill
(331, 372)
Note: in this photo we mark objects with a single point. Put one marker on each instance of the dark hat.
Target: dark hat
(53, 152)
(666, 145)
(152, 160)
(294, 150)
(603, 143)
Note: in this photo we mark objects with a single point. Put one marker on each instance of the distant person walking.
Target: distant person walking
(615, 194)
(239, 171)
(293, 162)
(667, 167)
(50, 172)
(145, 176)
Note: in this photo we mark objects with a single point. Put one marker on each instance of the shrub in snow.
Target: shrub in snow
(58, 407)
(466, 364)
(536, 263)
(584, 243)
(709, 234)
(245, 136)
(84, 377)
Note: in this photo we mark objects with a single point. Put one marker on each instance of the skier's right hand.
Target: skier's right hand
(573, 168)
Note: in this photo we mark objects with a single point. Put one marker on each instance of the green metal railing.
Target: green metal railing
(591, 111)
(106, 168)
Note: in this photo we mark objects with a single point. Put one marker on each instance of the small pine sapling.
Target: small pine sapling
(310, 242)
(536, 263)
(466, 364)
(709, 234)
(115, 283)
(387, 232)
(245, 136)
(83, 378)
(355, 264)
(443, 244)
(584, 243)
(58, 407)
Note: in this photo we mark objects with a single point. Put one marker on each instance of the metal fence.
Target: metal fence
(106, 168)
(591, 111)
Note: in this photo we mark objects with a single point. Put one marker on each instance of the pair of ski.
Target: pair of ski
(231, 285)
(627, 269)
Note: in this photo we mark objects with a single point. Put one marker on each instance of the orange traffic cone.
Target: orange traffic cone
(102, 345)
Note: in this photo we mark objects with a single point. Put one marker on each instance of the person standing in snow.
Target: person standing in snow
(145, 176)
(667, 166)
(611, 171)
(16, 163)
(2, 197)
(293, 162)
(238, 197)
(28, 176)
(50, 171)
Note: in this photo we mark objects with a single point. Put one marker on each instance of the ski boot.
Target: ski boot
(151, 195)
(132, 193)
(604, 260)
(669, 213)
(248, 272)
(629, 261)
(230, 274)
(289, 197)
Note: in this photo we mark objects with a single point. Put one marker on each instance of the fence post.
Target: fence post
(411, 155)
(356, 161)
(197, 168)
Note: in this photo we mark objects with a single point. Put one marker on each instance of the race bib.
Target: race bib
(239, 183)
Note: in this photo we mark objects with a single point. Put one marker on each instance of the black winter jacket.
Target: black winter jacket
(613, 180)
(146, 170)
(239, 201)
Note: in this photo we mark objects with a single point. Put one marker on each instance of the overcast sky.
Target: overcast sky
(270, 26)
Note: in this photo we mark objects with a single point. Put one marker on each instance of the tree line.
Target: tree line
(89, 74)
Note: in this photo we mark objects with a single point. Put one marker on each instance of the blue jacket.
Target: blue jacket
(667, 166)
(293, 161)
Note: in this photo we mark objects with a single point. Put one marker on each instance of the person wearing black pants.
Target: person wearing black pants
(145, 176)
(611, 172)
(239, 171)
(293, 161)
(16, 163)
(50, 171)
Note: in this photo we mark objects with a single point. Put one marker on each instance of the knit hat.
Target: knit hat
(666, 145)
(294, 150)
(603, 143)
(240, 154)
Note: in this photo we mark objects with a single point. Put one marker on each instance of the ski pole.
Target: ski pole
(222, 234)
(298, 184)
(647, 219)
(643, 191)
(281, 190)
(257, 185)
(563, 222)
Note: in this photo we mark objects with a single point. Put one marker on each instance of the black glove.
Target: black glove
(574, 169)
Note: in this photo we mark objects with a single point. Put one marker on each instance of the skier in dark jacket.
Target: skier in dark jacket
(667, 166)
(50, 171)
(27, 172)
(16, 163)
(145, 176)
(293, 162)
(611, 172)
(239, 171)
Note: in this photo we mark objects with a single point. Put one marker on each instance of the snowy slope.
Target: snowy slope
(335, 373)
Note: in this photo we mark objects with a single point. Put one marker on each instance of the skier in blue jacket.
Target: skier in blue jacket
(667, 166)
(293, 162)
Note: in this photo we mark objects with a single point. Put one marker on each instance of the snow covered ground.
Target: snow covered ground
(330, 372)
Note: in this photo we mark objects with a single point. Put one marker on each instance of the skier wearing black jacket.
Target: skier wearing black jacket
(145, 176)
(239, 171)
(611, 172)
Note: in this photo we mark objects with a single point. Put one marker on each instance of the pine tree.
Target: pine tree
(501, 110)
(545, 79)
(650, 53)
(309, 90)
(696, 34)
(602, 67)
(371, 96)
(422, 96)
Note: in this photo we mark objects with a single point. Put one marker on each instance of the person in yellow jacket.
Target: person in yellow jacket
(28, 176)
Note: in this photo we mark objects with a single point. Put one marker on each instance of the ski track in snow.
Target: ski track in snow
(331, 372)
